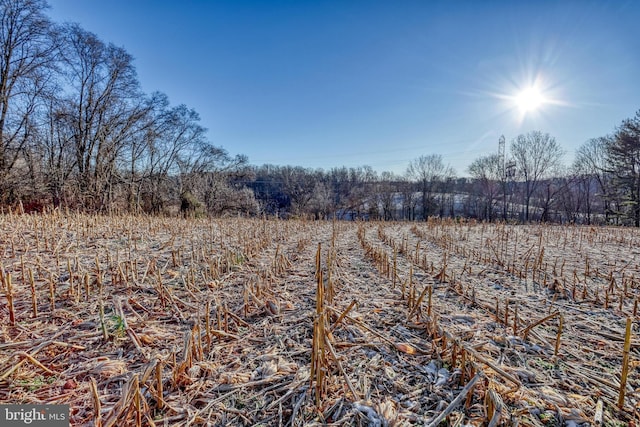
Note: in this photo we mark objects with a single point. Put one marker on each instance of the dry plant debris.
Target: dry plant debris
(164, 321)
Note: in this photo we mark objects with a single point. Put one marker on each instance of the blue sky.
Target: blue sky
(346, 83)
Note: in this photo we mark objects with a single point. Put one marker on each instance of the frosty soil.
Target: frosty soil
(140, 320)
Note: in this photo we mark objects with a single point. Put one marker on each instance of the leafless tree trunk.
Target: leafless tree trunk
(623, 161)
(26, 44)
(488, 174)
(536, 154)
(592, 179)
(103, 111)
(428, 172)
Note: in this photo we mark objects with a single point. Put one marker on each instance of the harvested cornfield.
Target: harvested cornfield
(165, 321)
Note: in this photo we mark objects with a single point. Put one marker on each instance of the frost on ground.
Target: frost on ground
(154, 321)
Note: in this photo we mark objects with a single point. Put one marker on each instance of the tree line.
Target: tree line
(77, 131)
(527, 182)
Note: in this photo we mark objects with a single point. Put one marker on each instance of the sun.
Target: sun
(529, 100)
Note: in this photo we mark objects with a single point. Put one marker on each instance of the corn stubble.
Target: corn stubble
(135, 320)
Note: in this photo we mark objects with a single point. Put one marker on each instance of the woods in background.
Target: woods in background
(77, 131)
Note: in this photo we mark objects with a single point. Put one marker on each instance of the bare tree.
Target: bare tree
(536, 155)
(446, 196)
(361, 181)
(428, 171)
(212, 175)
(409, 199)
(320, 203)
(352, 190)
(103, 101)
(488, 174)
(549, 190)
(593, 180)
(623, 157)
(386, 191)
(57, 148)
(338, 182)
(26, 46)
(298, 183)
(134, 156)
(168, 147)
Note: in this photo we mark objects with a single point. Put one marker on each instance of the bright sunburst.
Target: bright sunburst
(529, 100)
(528, 97)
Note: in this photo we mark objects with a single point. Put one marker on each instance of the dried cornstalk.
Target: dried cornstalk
(538, 322)
(70, 272)
(130, 332)
(159, 397)
(34, 296)
(455, 402)
(625, 363)
(494, 404)
(103, 325)
(492, 365)
(318, 356)
(318, 359)
(16, 366)
(35, 362)
(52, 292)
(344, 373)
(9, 293)
(420, 298)
(137, 402)
(343, 314)
(558, 336)
(207, 321)
(96, 403)
(597, 417)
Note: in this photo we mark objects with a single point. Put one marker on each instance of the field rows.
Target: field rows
(165, 321)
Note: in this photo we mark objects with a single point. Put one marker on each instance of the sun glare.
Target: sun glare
(529, 100)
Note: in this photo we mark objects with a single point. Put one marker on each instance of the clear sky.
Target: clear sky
(346, 83)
